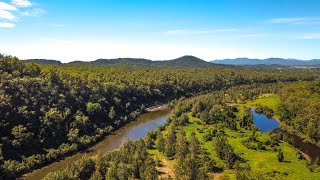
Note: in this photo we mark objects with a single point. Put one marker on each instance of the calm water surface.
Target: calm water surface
(311, 150)
(264, 123)
(149, 121)
(131, 131)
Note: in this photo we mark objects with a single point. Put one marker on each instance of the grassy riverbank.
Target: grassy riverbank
(260, 154)
(272, 101)
(204, 138)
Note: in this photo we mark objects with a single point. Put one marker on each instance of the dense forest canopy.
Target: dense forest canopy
(56, 110)
(205, 136)
(300, 110)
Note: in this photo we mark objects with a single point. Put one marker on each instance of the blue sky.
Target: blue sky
(70, 30)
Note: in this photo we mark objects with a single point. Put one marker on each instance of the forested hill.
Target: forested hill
(182, 62)
(269, 61)
(44, 61)
(185, 61)
(47, 112)
(134, 63)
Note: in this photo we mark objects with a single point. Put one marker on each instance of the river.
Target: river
(266, 124)
(312, 151)
(131, 131)
(149, 121)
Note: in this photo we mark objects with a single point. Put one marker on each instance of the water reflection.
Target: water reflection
(264, 123)
(131, 131)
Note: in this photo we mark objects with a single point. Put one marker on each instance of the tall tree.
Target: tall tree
(181, 145)
(160, 142)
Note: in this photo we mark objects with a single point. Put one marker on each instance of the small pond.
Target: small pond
(264, 123)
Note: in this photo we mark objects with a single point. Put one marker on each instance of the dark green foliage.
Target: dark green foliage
(265, 110)
(194, 146)
(181, 145)
(198, 107)
(210, 135)
(314, 166)
(44, 61)
(225, 151)
(253, 143)
(300, 110)
(96, 176)
(247, 119)
(170, 143)
(280, 156)
(81, 169)
(243, 172)
(55, 110)
(183, 119)
(192, 163)
(134, 63)
(187, 168)
(300, 155)
(160, 142)
(148, 140)
(131, 161)
(213, 109)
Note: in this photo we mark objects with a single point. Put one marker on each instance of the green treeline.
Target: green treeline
(131, 161)
(47, 112)
(204, 135)
(300, 110)
(222, 130)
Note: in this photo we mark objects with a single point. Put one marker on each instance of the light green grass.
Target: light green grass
(208, 146)
(155, 152)
(260, 161)
(266, 161)
(272, 101)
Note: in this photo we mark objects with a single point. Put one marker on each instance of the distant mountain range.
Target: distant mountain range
(182, 62)
(269, 61)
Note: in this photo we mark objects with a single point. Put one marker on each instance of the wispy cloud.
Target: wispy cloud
(197, 32)
(6, 25)
(33, 12)
(12, 11)
(301, 36)
(7, 7)
(309, 36)
(6, 15)
(22, 3)
(295, 20)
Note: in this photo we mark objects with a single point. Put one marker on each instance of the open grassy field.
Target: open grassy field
(263, 162)
(272, 101)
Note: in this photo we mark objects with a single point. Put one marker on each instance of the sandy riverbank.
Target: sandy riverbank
(156, 108)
